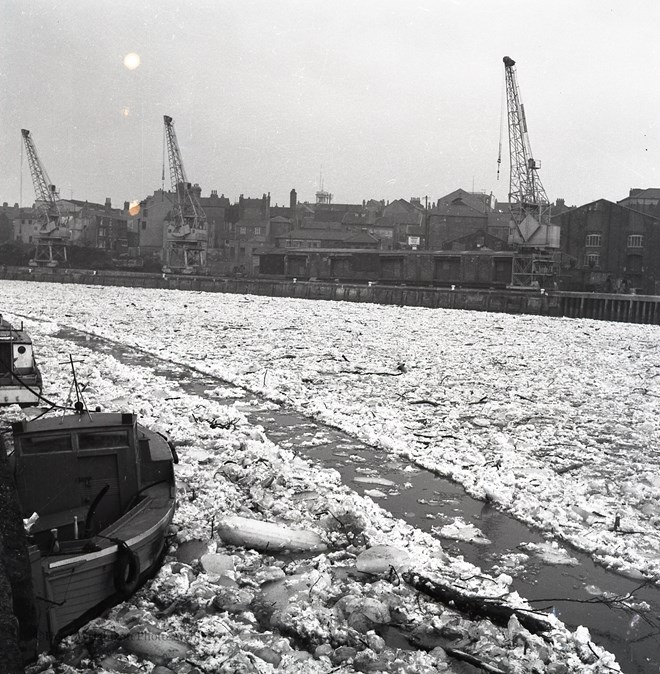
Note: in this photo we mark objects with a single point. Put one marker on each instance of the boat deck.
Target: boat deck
(147, 513)
(155, 500)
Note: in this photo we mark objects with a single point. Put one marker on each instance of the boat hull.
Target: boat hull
(99, 494)
(70, 589)
(10, 395)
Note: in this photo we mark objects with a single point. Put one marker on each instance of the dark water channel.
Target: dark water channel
(428, 501)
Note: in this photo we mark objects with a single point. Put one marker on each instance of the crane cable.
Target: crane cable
(499, 156)
(34, 391)
(162, 178)
(20, 189)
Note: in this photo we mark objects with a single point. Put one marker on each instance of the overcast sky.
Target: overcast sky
(388, 98)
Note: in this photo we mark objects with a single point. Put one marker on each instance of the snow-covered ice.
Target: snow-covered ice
(553, 420)
(460, 530)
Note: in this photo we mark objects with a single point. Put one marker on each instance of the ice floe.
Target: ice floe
(553, 427)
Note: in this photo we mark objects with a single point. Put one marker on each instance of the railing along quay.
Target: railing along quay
(599, 306)
(610, 307)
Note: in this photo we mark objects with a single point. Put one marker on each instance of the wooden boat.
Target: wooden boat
(20, 378)
(103, 489)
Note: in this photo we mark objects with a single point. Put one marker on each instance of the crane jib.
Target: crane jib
(188, 230)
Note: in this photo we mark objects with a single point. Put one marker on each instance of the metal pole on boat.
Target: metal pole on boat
(75, 380)
(80, 406)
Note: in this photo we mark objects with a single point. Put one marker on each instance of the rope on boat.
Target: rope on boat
(34, 391)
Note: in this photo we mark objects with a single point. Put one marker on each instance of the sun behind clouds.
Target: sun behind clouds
(132, 61)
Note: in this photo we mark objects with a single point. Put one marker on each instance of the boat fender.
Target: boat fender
(127, 570)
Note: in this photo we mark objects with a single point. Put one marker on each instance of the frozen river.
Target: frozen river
(566, 582)
(553, 422)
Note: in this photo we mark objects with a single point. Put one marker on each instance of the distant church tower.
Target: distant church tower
(323, 197)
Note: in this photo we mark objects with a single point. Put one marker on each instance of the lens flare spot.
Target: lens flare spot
(132, 61)
(134, 208)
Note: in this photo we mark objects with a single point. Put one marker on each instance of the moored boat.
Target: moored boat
(20, 378)
(98, 492)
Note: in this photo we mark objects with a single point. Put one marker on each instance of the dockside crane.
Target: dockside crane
(53, 236)
(187, 233)
(534, 238)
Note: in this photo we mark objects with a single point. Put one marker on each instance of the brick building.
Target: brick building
(147, 220)
(106, 227)
(326, 239)
(217, 210)
(610, 247)
(285, 218)
(402, 225)
(8, 214)
(644, 200)
(89, 224)
(249, 232)
(455, 215)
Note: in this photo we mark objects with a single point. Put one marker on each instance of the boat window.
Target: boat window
(43, 444)
(104, 439)
(5, 357)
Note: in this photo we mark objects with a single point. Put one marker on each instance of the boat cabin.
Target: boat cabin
(80, 473)
(20, 379)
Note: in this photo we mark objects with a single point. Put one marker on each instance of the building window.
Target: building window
(242, 231)
(257, 231)
(594, 240)
(144, 224)
(635, 240)
(634, 264)
(593, 260)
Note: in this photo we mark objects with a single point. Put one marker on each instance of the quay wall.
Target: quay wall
(600, 306)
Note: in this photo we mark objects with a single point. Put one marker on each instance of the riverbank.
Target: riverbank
(601, 306)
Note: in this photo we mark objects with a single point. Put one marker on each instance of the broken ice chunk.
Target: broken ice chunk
(259, 535)
(380, 558)
(381, 481)
(375, 493)
(550, 553)
(460, 530)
